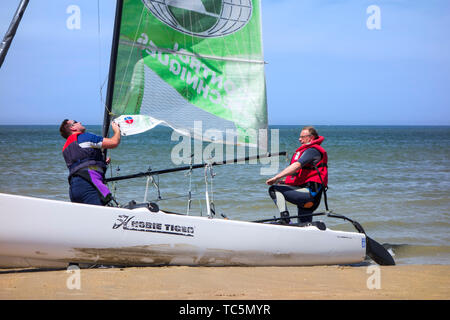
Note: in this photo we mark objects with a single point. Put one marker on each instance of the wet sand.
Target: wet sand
(424, 282)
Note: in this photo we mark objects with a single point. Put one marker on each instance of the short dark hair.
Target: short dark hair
(312, 131)
(64, 129)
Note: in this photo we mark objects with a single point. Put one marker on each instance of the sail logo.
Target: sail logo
(128, 120)
(202, 18)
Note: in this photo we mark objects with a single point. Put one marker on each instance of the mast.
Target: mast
(4, 46)
(112, 69)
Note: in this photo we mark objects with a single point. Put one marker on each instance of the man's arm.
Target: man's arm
(288, 171)
(307, 157)
(114, 141)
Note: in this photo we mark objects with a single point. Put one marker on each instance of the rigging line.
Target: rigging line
(208, 208)
(209, 201)
(201, 208)
(146, 189)
(102, 101)
(190, 186)
(99, 52)
(212, 204)
(212, 188)
(169, 198)
(157, 187)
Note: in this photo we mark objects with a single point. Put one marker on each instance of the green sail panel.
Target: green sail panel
(190, 64)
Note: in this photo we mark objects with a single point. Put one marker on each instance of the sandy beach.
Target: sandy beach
(404, 282)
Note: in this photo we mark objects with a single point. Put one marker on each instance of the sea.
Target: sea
(393, 180)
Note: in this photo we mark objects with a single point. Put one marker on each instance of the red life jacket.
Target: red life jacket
(308, 173)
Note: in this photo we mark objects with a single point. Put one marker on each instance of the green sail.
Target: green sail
(181, 63)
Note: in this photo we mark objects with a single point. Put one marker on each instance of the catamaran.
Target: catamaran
(177, 63)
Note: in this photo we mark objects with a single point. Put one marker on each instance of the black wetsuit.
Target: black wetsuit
(299, 195)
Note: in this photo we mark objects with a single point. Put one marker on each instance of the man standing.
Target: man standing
(306, 177)
(84, 159)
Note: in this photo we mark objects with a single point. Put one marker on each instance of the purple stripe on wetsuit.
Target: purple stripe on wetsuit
(97, 180)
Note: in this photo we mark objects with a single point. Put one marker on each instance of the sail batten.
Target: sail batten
(184, 62)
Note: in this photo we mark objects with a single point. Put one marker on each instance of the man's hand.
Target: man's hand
(271, 181)
(290, 170)
(113, 142)
(108, 160)
(115, 126)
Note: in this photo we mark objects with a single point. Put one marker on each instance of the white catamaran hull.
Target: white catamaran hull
(47, 233)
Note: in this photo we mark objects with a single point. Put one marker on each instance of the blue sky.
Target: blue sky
(325, 67)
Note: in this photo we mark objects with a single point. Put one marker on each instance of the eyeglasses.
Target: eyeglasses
(73, 123)
(308, 135)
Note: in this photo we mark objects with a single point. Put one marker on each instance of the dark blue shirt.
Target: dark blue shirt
(311, 155)
(89, 140)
